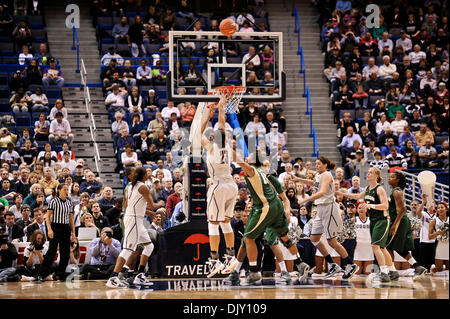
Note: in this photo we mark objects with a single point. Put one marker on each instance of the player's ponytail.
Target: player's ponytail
(330, 164)
(139, 174)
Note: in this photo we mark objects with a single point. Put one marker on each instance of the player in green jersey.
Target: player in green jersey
(267, 215)
(400, 233)
(376, 203)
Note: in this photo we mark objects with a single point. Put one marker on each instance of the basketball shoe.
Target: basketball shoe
(350, 270)
(141, 280)
(229, 264)
(333, 270)
(215, 266)
(232, 279)
(115, 282)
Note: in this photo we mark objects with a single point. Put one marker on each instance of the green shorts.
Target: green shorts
(379, 232)
(403, 240)
(270, 218)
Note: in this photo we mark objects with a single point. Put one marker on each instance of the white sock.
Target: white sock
(282, 265)
(253, 263)
(412, 261)
(238, 267)
(384, 269)
(392, 268)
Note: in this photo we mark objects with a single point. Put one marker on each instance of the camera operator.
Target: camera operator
(33, 257)
(104, 252)
(8, 254)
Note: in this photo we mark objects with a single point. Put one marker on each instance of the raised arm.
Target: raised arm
(308, 182)
(354, 196)
(421, 206)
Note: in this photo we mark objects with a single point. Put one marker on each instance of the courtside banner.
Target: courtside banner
(184, 253)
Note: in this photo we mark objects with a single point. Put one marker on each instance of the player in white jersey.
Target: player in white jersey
(139, 204)
(363, 256)
(328, 218)
(438, 230)
(222, 194)
(427, 245)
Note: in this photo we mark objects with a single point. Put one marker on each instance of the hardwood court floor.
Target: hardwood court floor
(357, 288)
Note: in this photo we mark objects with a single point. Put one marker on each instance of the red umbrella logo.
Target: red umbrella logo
(197, 239)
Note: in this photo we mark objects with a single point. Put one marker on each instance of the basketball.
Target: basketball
(227, 27)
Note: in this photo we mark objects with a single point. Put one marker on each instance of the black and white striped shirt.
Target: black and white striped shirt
(61, 210)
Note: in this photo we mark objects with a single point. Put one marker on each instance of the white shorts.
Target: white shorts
(328, 220)
(286, 253)
(221, 200)
(442, 250)
(135, 232)
(363, 252)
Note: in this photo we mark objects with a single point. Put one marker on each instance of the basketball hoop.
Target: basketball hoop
(234, 95)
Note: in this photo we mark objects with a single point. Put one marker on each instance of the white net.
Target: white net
(234, 95)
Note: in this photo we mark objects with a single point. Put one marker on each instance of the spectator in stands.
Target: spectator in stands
(23, 185)
(42, 56)
(90, 185)
(49, 183)
(152, 101)
(10, 156)
(118, 126)
(39, 101)
(68, 162)
(394, 159)
(6, 21)
(385, 43)
(15, 233)
(20, 101)
(17, 81)
(368, 46)
(167, 111)
(124, 139)
(167, 189)
(120, 31)
(387, 70)
(41, 128)
(115, 101)
(274, 137)
(427, 153)
(52, 75)
(28, 155)
(108, 72)
(25, 56)
(161, 142)
(128, 157)
(347, 142)
(441, 160)
(404, 41)
(6, 192)
(255, 127)
(374, 85)
(144, 74)
(107, 199)
(60, 130)
(136, 126)
(187, 113)
(398, 124)
(59, 107)
(174, 198)
(135, 37)
(336, 74)
(22, 139)
(393, 108)
(160, 168)
(416, 55)
(406, 136)
(360, 98)
(366, 136)
(428, 80)
(22, 35)
(252, 52)
(111, 54)
(423, 135)
(128, 75)
(100, 221)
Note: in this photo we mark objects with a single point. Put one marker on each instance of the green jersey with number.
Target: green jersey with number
(372, 197)
(261, 189)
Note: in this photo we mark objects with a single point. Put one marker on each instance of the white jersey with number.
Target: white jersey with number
(219, 161)
(136, 203)
(328, 197)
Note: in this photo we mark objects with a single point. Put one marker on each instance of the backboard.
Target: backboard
(230, 66)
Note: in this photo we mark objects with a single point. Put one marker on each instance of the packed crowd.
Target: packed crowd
(389, 83)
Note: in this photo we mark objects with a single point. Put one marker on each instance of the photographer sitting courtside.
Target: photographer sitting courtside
(104, 252)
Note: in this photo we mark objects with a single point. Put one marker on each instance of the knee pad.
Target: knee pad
(213, 229)
(226, 228)
(125, 253)
(148, 249)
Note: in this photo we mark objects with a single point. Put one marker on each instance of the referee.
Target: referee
(61, 230)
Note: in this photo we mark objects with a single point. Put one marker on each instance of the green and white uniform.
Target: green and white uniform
(267, 213)
(379, 219)
(402, 241)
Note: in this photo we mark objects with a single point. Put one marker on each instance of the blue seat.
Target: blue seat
(23, 119)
